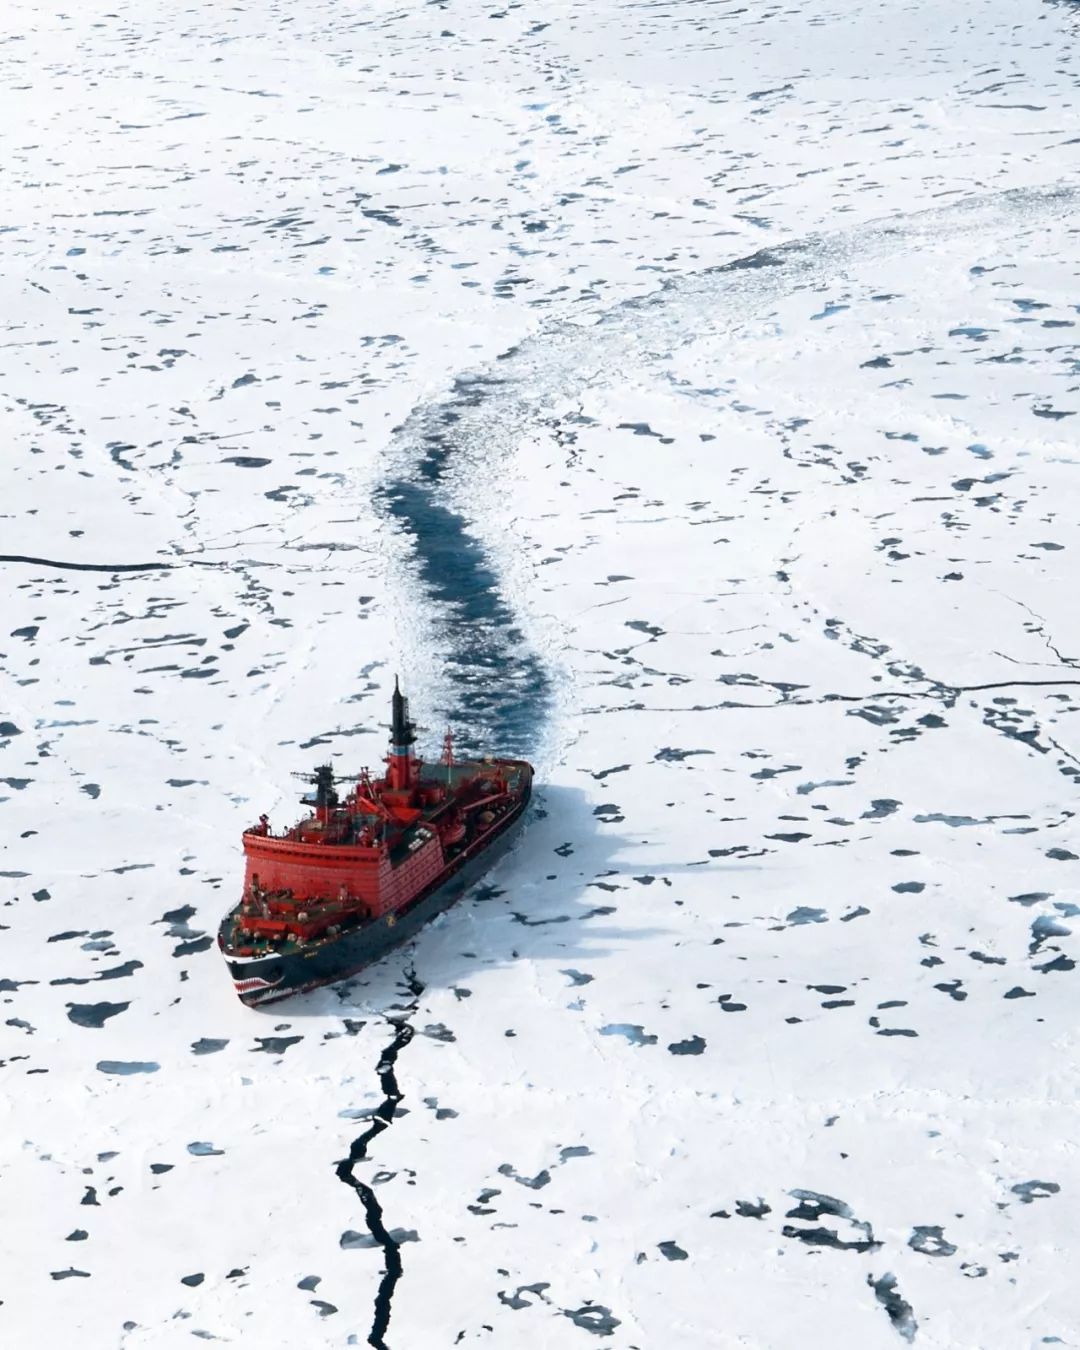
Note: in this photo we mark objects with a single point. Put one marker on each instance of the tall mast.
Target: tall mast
(448, 755)
(402, 736)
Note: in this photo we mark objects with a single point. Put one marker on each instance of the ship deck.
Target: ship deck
(345, 826)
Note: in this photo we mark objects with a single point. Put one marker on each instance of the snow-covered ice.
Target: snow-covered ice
(680, 394)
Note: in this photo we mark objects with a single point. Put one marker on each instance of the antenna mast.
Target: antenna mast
(448, 754)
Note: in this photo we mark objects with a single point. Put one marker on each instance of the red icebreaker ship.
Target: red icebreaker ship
(364, 871)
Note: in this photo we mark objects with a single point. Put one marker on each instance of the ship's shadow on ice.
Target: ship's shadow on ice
(558, 894)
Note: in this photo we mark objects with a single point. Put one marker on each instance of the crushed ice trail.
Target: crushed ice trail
(486, 412)
(501, 688)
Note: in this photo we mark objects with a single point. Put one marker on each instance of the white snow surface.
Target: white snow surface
(763, 1034)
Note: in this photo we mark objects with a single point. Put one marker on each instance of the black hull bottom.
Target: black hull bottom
(276, 977)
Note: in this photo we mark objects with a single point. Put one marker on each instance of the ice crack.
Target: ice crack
(85, 567)
(381, 1120)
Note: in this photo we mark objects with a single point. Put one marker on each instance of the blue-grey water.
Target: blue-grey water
(498, 688)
